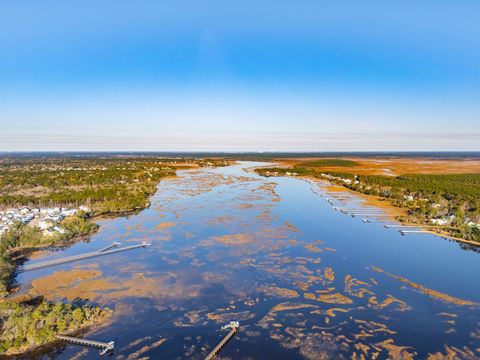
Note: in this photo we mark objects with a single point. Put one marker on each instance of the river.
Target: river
(303, 280)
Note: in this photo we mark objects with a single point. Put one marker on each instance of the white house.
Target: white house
(85, 208)
(59, 229)
(45, 224)
(439, 221)
(70, 212)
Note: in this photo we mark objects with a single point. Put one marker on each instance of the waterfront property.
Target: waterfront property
(47, 219)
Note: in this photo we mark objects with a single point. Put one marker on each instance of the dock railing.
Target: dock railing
(103, 346)
(79, 257)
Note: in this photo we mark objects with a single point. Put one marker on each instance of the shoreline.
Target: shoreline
(28, 251)
(424, 227)
(92, 326)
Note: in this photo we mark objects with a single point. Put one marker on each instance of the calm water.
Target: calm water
(303, 280)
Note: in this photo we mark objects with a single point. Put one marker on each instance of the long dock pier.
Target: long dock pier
(406, 227)
(103, 346)
(79, 257)
(233, 326)
(403, 232)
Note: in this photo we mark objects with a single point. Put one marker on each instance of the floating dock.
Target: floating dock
(406, 227)
(233, 326)
(79, 257)
(103, 346)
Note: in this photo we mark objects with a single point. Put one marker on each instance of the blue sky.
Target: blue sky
(240, 75)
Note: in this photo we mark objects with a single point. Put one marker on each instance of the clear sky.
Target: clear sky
(240, 75)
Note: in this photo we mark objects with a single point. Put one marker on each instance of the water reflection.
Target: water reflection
(303, 280)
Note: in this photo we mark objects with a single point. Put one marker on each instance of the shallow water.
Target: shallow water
(303, 280)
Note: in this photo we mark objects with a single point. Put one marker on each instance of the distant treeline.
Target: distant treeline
(328, 162)
(242, 155)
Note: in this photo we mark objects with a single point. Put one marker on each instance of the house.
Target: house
(26, 218)
(55, 218)
(59, 230)
(70, 212)
(45, 224)
(24, 210)
(85, 208)
(439, 221)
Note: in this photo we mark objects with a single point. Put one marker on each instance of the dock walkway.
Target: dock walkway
(233, 326)
(79, 257)
(103, 346)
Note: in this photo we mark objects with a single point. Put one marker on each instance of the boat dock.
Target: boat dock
(233, 326)
(406, 227)
(79, 257)
(403, 232)
(103, 346)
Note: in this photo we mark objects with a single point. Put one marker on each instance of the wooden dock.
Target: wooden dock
(406, 227)
(233, 326)
(79, 257)
(103, 346)
(403, 232)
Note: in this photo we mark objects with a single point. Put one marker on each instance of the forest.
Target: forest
(25, 326)
(106, 185)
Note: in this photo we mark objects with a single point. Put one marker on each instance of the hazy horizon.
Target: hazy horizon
(228, 76)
